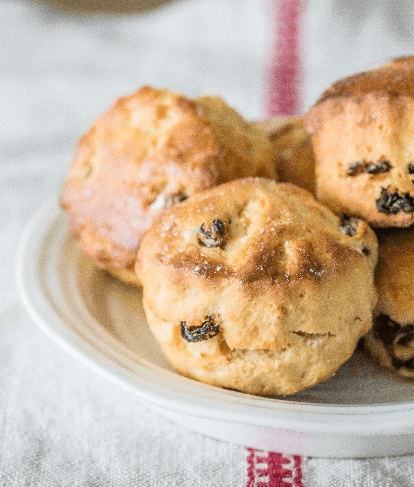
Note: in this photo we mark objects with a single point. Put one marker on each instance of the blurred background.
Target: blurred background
(62, 63)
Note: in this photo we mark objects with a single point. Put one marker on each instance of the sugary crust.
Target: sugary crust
(394, 274)
(362, 133)
(394, 77)
(148, 151)
(295, 162)
(289, 289)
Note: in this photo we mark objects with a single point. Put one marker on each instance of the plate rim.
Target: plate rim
(201, 401)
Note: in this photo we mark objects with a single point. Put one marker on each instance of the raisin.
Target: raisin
(392, 333)
(349, 225)
(365, 251)
(208, 329)
(211, 236)
(392, 203)
(397, 363)
(409, 364)
(411, 168)
(386, 329)
(405, 337)
(383, 166)
(406, 364)
(355, 168)
(361, 167)
(174, 198)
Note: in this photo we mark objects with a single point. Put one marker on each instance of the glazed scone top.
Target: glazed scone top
(396, 78)
(362, 134)
(255, 240)
(148, 151)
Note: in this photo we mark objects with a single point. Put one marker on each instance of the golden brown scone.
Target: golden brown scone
(391, 342)
(148, 151)
(362, 131)
(295, 162)
(255, 286)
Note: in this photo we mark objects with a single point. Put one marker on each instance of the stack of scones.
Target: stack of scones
(265, 250)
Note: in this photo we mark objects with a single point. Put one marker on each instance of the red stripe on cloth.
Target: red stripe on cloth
(285, 73)
(268, 469)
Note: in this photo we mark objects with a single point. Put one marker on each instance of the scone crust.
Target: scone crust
(394, 274)
(362, 134)
(391, 342)
(148, 151)
(283, 288)
(295, 162)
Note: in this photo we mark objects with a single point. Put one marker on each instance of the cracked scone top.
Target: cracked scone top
(362, 132)
(255, 286)
(148, 151)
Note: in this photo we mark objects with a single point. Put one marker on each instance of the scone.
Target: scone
(295, 162)
(148, 151)
(391, 342)
(255, 286)
(362, 132)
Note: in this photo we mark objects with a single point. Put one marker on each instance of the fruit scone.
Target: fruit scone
(255, 286)
(148, 151)
(391, 342)
(362, 132)
(295, 161)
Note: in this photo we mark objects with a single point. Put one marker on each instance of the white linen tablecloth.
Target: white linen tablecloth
(60, 423)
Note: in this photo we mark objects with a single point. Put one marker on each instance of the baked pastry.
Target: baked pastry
(391, 342)
(255, 286)
(362, 130)
(148, 151)
(295, 162)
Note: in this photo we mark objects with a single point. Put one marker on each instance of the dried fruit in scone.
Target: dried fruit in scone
(362, 131)
(255, 286)
(295, 162)
(391, 342)
(149, 151)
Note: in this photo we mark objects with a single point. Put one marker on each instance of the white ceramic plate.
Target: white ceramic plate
(362, 411)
